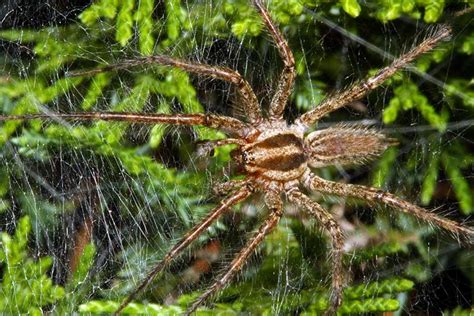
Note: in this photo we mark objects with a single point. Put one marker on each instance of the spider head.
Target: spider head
(237, 156)
(343, 145)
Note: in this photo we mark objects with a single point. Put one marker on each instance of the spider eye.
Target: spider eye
(245, 157)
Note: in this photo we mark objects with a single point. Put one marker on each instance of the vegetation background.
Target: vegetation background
(87, 209)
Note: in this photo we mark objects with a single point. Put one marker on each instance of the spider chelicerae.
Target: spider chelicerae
(277, 158)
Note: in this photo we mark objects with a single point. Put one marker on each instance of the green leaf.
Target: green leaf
(144, 20)
(406, 97)
(468, 45)
(384, 167)
(430, 181)
(246, 27)
(96, 88)
(433, 10)
(351, 7)
(390, 113)
(387, 286)
(101, 307)
(125, 22)
(176, 19)
(102, 8)
(157, 132)
(355, 306)
(460, 185)
(25, 287)
(408, 5)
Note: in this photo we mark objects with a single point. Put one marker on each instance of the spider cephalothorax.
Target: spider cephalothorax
(277, 157)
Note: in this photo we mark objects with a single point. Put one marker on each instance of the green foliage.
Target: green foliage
(468, 45)
(369, 305)
(453, 159)
(406, 97)
(143, 17)
(389, 286)
(467, 96)
(151, 179)
(100, 9)
(458, 311)
(25, 287)
(95, 90)
(431, 177)
(384, 167)
(125, 22)
(433, 10)
(101, 307)
(392, 9)
(352, 7)
(460, 184)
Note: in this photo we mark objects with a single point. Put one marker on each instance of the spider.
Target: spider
(277, 158)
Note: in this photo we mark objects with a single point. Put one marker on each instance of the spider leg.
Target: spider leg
(251, 105)
(330, 224)
(227, 124)
(274, 203)
(360, 89)
(374, 195)
(223, 188)
(287, 77)
(194, 233)
(207, 146)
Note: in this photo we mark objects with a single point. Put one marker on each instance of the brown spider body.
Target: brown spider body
(277, 158)
(285, 154)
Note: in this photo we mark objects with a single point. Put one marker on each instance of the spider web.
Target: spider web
(106, 200)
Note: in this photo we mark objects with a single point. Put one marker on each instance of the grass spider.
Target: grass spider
(277, 157)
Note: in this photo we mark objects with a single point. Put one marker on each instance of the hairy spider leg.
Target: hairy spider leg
(227, 124)
(224, 188)
(329, 223)
(250, 104)
(275, 205)
(194, 233)
(358, 90)
(207, 146)
(374, 195)
(288, 74)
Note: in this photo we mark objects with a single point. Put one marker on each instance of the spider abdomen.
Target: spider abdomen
(343, 145)
(278, 157)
